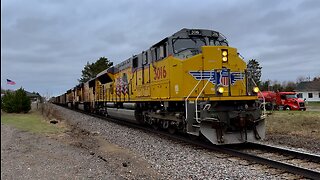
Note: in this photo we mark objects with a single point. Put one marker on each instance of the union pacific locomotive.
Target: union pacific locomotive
(191, 82)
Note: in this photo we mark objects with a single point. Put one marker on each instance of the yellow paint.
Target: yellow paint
(170, 79)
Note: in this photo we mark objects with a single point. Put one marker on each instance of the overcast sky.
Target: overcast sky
(46, 43)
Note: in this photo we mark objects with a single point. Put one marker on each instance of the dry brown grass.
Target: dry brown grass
(298, 123)
(48, 112)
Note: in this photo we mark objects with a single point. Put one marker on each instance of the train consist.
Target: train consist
(191, 82)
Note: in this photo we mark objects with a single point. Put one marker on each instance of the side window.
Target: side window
(154, 54)
(310, 95)
(158, 53)
(135, 62)
(145, 58)
(319, 95)
(161, 53)
(165, 47)
(283, 96)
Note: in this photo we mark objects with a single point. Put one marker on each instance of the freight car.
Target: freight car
(192, 82)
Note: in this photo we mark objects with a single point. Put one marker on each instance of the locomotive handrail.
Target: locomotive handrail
(264, 100)
(186, 100)
(244, 85)
(195, 102)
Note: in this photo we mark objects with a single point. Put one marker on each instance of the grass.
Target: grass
(32, 121)
(301, 123)
(313, 104)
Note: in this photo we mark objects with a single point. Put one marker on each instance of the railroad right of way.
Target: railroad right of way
(171, 159)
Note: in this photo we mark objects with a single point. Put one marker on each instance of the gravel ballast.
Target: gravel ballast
(113, 151)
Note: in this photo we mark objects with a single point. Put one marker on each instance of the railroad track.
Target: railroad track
(284, 159)
(299, 163)
(295, 162)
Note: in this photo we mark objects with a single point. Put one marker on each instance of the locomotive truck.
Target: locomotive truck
(282, 100)
(192, 82)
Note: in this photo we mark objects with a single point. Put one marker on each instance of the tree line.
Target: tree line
(254, 68)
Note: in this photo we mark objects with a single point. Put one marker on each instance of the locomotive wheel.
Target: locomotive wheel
(155, 126)
(193, 137)
(172, 129)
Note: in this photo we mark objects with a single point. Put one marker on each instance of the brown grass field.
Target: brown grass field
(298, 123)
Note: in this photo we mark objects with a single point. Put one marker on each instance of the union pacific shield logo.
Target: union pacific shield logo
(218, 77)
(224, 78)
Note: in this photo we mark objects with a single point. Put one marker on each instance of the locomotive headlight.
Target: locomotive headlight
(224, 54)
(256, 90)
(224, 59)
(220, 90)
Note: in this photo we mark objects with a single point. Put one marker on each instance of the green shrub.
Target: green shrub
(16, 102)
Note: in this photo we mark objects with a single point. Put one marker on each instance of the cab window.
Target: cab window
(145, 58)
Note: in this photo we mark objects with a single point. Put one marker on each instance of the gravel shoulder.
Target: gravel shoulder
(93, 148)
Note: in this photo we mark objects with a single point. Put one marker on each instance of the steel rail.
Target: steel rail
(272, 163)
(303, 155)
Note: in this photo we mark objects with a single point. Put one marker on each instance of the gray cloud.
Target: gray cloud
(45, 44)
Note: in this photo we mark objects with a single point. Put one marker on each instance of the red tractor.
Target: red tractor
(282, 100)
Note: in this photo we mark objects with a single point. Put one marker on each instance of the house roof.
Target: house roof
(29, 94)
(308, 86)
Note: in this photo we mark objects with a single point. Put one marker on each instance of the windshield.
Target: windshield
(220, 41)
(182, 44)
(291, 96)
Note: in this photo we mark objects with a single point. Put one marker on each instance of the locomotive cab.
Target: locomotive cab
(222, 103)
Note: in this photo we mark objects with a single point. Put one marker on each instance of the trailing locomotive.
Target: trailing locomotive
(191, 82)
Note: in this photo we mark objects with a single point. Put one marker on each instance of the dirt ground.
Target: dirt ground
(73, 154)
(121, 161)
(307, 143)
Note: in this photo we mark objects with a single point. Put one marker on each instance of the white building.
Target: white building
(310, 91)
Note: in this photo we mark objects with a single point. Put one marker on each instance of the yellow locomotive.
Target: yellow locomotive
(191, 82)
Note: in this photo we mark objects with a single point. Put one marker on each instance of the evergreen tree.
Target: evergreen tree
(254, 70)
(91, 70)
(16, 102)
(7, 102)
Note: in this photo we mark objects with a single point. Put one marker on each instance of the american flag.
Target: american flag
(124, 87)
(118, 86)
(10, 82)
